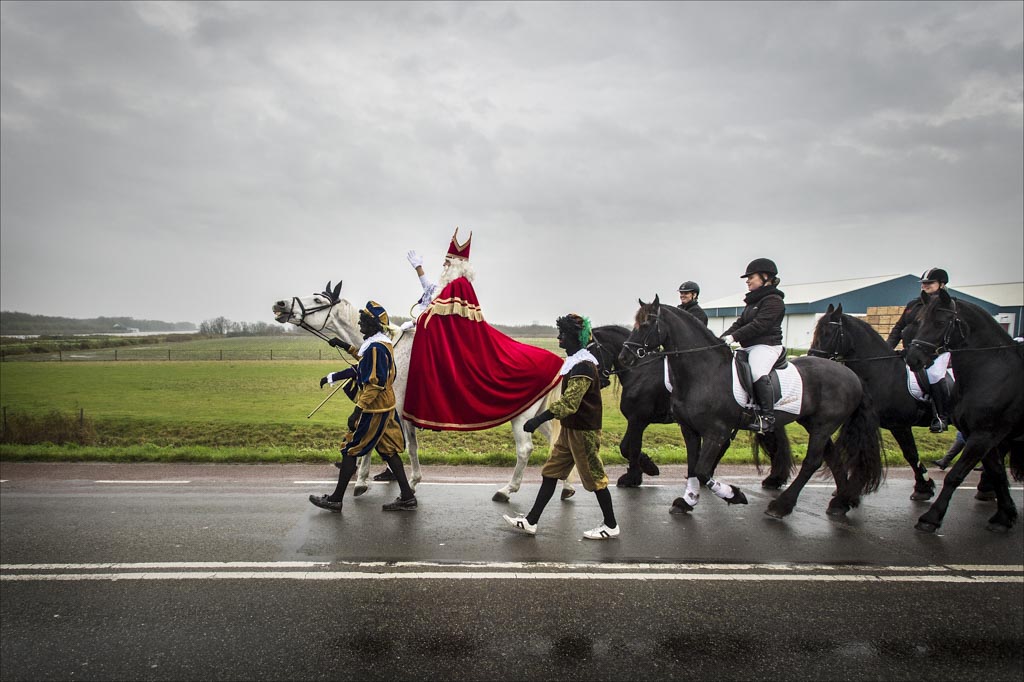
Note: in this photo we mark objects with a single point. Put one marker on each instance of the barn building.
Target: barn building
(805, 303)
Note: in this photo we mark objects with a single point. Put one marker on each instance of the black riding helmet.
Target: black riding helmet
(689, 286)
(935, 275)
(760, 265)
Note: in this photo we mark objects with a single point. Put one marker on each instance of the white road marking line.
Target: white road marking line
(448, 575)
(142, 482)
(521, 565)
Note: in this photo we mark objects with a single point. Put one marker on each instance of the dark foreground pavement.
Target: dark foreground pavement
(168, 572)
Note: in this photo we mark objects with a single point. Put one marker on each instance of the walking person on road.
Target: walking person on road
(579, 411)
(375, 423)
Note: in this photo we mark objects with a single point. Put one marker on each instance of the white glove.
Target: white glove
(407, 325)
(415, 259)
(729, 340)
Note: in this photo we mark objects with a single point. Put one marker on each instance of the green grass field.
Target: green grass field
(252, 411)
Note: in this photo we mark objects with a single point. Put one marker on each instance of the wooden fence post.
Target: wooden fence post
(115, 355)
(81, 417)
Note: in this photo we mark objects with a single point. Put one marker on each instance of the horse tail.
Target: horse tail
(859, 446)
(1017, 459)
(780, 454)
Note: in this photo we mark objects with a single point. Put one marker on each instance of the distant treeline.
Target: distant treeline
(14, 323)
(527, 331)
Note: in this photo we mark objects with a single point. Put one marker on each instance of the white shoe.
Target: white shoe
(521, 524)
(602, 532)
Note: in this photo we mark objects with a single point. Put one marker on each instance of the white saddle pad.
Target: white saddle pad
(790, 383)
(914, 386)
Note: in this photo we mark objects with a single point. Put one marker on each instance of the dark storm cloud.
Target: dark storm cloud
(222, 155)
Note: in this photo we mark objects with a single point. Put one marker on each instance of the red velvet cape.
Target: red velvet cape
(465, 375)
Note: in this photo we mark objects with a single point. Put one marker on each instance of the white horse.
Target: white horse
(327, 316)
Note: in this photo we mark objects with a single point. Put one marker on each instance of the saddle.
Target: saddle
(747, 378)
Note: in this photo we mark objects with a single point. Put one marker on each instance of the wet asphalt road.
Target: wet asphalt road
(447, 592)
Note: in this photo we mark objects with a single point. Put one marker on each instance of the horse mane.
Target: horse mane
(862, 325)
(692, 321)
(980, 319)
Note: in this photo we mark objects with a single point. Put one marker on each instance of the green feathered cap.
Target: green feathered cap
(577, 324)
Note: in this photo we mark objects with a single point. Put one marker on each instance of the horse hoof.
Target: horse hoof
(567, 493)
(772, 483)
(776, 511)
(737, 496)
(919, 496)
(630, 479)
(647, 465)
(680, 506)
(997, 528)
(985, 495)
(926, 527)
(499, 497)
(359, 490)
(838, 510)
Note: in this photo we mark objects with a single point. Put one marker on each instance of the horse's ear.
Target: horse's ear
(657, 301)
(924, 297)
(327, 289)
(839, 310)
(337, 291)
(944, 296)
(641, 301)
(831, 309)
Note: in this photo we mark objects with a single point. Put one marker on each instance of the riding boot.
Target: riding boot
(953, 451)
(940, 406)
(764, 406)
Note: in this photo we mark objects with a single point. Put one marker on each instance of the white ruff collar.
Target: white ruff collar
(582, 355)
(379, 337)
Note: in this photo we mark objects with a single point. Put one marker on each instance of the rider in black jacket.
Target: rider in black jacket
(759, 331)
(688, 293)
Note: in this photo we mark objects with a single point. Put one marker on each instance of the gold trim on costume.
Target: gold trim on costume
(453, 306)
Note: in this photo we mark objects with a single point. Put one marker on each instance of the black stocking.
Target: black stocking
(604, 498)
(547, 489)
(395, 464)
(348, 470)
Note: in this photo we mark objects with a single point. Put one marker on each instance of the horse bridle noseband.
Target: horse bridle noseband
(955, 325)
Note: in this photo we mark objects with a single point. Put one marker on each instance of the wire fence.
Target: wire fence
(171, 355)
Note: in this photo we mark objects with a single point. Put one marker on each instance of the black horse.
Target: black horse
(644, 400)
(856, 344)
(989, 408)
(702, 399)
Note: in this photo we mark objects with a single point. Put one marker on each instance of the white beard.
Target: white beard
(456, 268)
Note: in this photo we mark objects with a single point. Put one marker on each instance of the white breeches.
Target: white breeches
(937, 369)
(762, 358)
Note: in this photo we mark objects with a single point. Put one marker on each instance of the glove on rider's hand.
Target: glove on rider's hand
(728, 339)
(323, 381)
(531, 424)
(415, 259)
(353, 418)
(337, 343)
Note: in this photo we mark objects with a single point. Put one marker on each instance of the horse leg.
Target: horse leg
(845, 496)
(362, 476)
(1006, 510)
(629, 448)
(688, 502)
(726, 491)
(524, 447)
(412, 443)
(783, 505)
(924, 486)
(977, 446)
(776, 444)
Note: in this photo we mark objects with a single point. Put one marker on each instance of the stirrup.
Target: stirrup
(938, 425)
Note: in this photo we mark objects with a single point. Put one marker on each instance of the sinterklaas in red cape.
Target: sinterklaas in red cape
(465, 375)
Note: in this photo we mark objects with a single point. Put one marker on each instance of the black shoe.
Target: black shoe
(941, 463)
(385, 475)
(324, 503)
(401, 505)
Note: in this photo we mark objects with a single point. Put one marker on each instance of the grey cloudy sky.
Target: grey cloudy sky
(181, 161)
